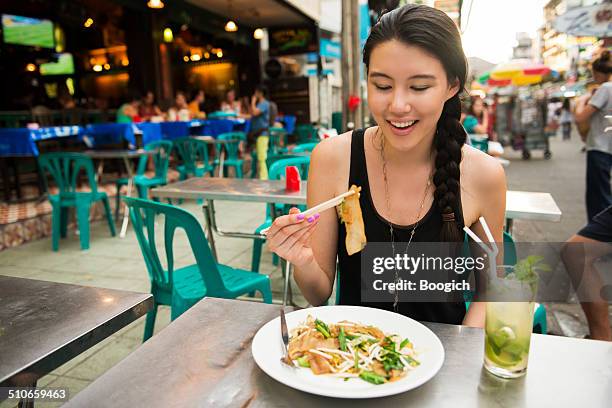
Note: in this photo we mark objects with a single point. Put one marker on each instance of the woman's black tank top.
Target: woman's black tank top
(377, 230)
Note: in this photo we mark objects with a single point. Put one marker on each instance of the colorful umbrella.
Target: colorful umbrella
(519, 72)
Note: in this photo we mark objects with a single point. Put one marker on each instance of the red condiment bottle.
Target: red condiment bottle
(292, 178)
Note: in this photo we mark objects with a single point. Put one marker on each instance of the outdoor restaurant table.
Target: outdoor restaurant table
(204, 359)
(45, 324)
(528, 205)
(125, 156)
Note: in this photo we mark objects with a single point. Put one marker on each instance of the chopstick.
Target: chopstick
(320, 207)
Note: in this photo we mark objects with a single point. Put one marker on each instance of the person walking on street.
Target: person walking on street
(566, 119)
(594, 110)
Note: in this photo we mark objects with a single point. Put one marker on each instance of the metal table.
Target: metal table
(124, 155)
(530, 205)
(203, 359)
(45, 324)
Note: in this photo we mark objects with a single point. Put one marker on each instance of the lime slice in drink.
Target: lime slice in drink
(502, 336)
(501, 357)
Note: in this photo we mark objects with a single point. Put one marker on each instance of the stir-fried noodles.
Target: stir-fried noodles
(346, 349)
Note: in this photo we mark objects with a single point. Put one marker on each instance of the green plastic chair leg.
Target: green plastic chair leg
(143, 192)
(83, 222)
(150, 323)
(266, 293)
(56, 223)
(256, 257)
(239, 171)
(63, 220)
(118, 202)
(109, 216)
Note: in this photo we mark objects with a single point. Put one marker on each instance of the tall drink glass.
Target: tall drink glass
(508, 327)
(507, 337)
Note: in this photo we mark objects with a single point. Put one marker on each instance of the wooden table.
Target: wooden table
(203, 359)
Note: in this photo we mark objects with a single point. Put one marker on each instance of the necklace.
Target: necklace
(388, 203)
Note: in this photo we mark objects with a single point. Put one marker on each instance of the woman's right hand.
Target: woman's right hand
(289, 236)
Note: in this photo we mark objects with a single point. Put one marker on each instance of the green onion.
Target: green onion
(303, 361)
(322, 328)
(342, 339)
(404, 343)
(356, 360)
(372, 377)
(411, 361)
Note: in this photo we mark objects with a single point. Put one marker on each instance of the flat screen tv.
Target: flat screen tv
(63, 66)
(28, 31)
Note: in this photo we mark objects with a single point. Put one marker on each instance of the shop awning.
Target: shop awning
(260, 13)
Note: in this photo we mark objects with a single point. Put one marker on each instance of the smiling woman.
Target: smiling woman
(419, 181)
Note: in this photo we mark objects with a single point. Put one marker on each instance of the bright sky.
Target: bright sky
(491, 30)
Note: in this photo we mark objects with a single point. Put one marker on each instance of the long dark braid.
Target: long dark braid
(448, 141)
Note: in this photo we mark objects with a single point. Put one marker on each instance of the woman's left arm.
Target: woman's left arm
(492, 203)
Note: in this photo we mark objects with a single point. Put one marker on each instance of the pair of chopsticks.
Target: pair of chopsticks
(320, 207)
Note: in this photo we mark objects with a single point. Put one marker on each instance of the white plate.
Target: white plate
(267, 350)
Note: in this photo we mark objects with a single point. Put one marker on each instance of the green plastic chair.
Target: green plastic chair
(278, 140)
(304, 147)
(232, 150)
(65, 169)
(306, 133)
(194, 156)
(277, 172)
(510, 258)
(480, 143)
(142, 183)
(183, 287)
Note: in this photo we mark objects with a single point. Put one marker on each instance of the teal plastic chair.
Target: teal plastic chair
(232, 150)
(65, 169)
(510, 258)
(183, 287)
(193, 154)
(142, 183)
(304, 147)
(277, 140)
(306, 133)
(277, 171)
(480, 143)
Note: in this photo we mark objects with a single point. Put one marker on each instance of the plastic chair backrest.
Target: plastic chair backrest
(191, 151)
(65, 168)
(231, 148)
(276, 134)
(160, 159)
(277, 169)
(304, 147)
(306, 133)
(143, 214)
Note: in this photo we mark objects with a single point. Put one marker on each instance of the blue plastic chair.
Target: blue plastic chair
(194, 156)
(65, 169)
(183, 287)
(142, 183)
(277, 140)
(232, 158)
(277, 171)
(306, 133)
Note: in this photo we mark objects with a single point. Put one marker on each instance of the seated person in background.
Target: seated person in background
(128, 112)
(180, 110)
(148, 108)
(194, 106)
(476, 120)
(230, 104)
